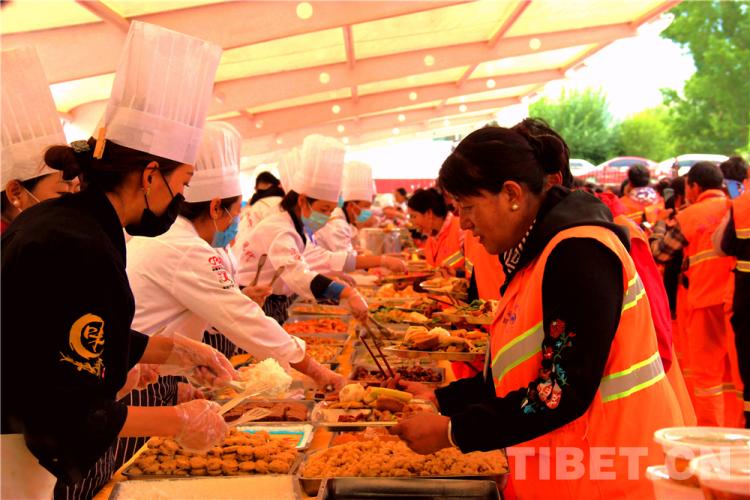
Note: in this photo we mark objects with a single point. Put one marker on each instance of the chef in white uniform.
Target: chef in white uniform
(306, 208)
(357, 192)
(330, 249)
(180, 281)
(182, 285)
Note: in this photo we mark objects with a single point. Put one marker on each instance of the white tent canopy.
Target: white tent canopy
(360, 71)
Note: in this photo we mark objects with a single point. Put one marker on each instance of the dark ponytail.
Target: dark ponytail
(428, 199)
(489, 157)
(549, 148)
(107, 173)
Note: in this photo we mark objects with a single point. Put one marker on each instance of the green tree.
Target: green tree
(584, 121)
(646, 134)
(713, 114)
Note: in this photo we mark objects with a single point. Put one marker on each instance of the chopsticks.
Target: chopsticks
(380, 352)
(261, 262)
(276, 275)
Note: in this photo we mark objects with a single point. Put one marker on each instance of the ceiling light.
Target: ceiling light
(304, 10)
(336, 109)
(462, 108)
(491, 83)
(535, 43)
(341, 129)
(396, 131)
(429, 60)
(324, 78)
(413, 96)
(402, 117)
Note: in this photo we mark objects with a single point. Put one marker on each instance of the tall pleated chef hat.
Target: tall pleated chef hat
(217, 169)
(319, 175)
(161, 93)
(30, 122)
(357, 184)
(288, 165)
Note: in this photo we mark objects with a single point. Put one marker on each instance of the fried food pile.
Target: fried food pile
(439, 339)
(316, 326)
(240, 454)
(388, 458)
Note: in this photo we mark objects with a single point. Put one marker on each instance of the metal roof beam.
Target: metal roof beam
(310, 114)
(230, 24)
(240, 93)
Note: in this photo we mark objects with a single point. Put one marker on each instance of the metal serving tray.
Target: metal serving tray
(434, 355)
(322, 416)
(313, 485)
(255, 488)
(301, 319)
(306, 402)
(349, 488)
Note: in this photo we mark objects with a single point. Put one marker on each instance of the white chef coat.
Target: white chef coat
(253, 214)
(181, 285)
(337, 235)
(277, 237)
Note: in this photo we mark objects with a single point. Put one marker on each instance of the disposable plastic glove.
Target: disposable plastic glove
(201, 427)
(320, 374)
(186, 392)
(357, 305)
(200, 362)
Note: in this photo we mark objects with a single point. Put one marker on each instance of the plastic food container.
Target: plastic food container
(682, 444)
(725, 475)
(667, 489)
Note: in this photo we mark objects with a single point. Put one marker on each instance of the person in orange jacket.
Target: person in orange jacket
(707, 276)
(733, 238)
(430, 215)
(575, 386)
(642, 203)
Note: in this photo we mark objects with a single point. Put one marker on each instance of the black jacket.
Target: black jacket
(67, 345)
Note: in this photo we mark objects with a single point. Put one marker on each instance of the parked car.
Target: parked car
(580, 168)
(684, 162)
(613, 172)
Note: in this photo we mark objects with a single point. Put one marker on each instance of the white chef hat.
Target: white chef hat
(30, 122)
(161, 93)
(217, 169)
(288, 165)
(319, 175)
(357, 184)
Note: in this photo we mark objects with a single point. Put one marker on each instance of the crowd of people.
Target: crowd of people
(131, 272)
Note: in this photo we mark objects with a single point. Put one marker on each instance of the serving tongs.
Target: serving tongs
(368, 331)
(261, 262)
(241, 398)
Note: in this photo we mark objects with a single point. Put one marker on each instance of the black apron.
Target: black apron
(277, 307)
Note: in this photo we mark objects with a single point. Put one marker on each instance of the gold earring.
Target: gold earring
(148, 190)
(514, 207)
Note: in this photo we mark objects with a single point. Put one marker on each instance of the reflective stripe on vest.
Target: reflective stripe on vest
(743, 266)
(517, 351)
(631, 380)
(453, 260)
(717, 390)
(743, 234)
(703, 257)
(529, 343)
(469, 267)
(635, 292)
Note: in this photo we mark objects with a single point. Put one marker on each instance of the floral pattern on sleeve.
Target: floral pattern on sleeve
(545, 392)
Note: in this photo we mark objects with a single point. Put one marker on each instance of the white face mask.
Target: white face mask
(32, 195)
(17, 204)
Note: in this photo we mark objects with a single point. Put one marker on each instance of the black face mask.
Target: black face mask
(153, 225)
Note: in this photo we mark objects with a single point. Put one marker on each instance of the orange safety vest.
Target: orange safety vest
(489, 271)
(707, 273)
(634, 398)
(636, 211)
(446, 249)
(741, 214)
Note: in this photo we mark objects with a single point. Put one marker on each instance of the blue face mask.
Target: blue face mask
(315, 221)
(364, 216)
(223, 238)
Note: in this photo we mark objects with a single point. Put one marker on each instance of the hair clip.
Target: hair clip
(80, 147)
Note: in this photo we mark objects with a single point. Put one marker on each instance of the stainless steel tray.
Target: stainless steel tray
(349, 488)
(434, 355)
(371, 367)
(316, 310)
(328, 417)
(119, 492)
(300, 319)
(306, 402)
(312, 485)
(149, 477)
